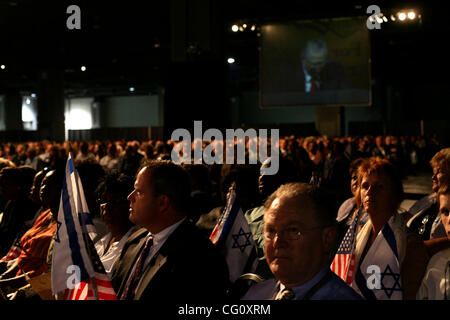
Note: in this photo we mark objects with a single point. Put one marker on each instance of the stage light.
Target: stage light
(235, 28)
(393, 17)
(241, 28)
(411, 15)
(253, 28)
(230, 60)
(3, 67)
(402, 16)
(28, 101)
(33, 95)
(379, 20)
(83, 68)
(244, 25)
(131, 89)
(385, 19)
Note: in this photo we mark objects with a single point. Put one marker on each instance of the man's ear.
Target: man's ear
(164, 202)
(328, 238)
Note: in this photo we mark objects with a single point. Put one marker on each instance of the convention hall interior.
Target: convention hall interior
(139, 70)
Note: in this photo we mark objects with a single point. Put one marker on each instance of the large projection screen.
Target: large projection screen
(315, 62)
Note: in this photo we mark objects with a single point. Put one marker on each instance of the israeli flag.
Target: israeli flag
(71, 263)
(233, 236)
(378, 275)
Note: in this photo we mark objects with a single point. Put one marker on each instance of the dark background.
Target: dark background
(181, 47)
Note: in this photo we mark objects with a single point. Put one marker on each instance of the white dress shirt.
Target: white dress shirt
(110, 256)
(308, 79)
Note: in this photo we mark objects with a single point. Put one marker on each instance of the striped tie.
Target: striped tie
(133, 280)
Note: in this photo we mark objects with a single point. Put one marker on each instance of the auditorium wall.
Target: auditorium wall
(130, 111)
(246, 112)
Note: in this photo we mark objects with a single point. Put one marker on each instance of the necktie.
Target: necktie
(287, 294)
(130, 288)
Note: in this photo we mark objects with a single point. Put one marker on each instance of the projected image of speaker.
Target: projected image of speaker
(315, 62)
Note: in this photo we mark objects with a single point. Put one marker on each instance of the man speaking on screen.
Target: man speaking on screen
(319, 73)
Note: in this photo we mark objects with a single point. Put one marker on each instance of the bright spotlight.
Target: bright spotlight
(33, 95)
(83, 68)
(411, 15)
(402, 16)
(28, 101)
(244, 25)
(385, 19)
(230, 60)
(235, 28)
(253, 27)
(131, 89)
(393, 17)
(3, 67)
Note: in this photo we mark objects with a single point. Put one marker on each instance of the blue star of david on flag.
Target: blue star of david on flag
(58, 226)
(246, 237)
(388, 273)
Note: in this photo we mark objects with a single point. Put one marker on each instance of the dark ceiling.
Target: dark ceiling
(131, 41)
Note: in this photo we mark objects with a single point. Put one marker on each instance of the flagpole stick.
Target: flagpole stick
(89, 251)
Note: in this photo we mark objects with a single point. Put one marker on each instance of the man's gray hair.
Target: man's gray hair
(314, 45)
(323, 203)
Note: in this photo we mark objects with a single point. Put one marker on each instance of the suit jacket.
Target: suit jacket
(187, 267)
(418, 254)
(291, 78)
(333, 289)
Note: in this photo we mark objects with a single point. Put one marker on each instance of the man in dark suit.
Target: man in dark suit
(319, 73)
(168, 258)
(312, 72)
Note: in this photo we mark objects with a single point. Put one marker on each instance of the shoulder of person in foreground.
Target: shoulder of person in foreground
(433, 285)
(336, 289)
(413, 266)
(261, 291)
(194, 265)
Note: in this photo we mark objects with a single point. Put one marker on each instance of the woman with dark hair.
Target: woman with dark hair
(112, 195)
(32, 259)
(15, 185)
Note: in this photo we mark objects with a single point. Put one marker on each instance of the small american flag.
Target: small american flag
(344, 261)
(233, 236)
(13, 252)
(96, 288)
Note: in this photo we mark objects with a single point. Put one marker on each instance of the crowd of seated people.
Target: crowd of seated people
(361, 175)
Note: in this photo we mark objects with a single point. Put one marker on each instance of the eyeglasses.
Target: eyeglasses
(292, 233)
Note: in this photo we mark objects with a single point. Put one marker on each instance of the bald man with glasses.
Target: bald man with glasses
(299, 232)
